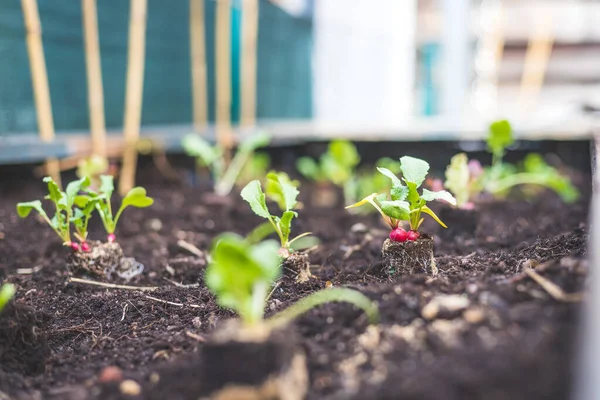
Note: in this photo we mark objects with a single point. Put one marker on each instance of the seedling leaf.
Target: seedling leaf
(499, 137)
(429, 211)
(414, 170)
(396, 209)
(25, 208)
(136, 197)
(441, 195)
(281, 190)
(253, 194)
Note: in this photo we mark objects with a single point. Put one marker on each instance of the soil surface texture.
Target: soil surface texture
(482, 328)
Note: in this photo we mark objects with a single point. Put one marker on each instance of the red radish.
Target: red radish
(412, 235)
(398, 235)
(111, 237)
(74, 246)
(85, 247)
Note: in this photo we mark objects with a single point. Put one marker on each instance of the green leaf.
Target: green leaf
(194, 145)
(254, 196)
(285, 224)
(308, 168)
(136, 197)
(441, 195)
(92, 166)
(368, 199)
(458, 178)
(73, 188)
(344, 153)
(429, 211)
(25, 208)
(413, 195)
(335, 172)
(399, 192)
(237, 269)
(414, 170)
(107, 185)
(499, 137)
(396, 209)
(254, 142)
(7, 291)
(395, 180)
(281, 190)
(54, 192)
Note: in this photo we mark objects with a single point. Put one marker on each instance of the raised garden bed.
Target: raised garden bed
(482, 328)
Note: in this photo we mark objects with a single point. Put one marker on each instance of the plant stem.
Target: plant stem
(307, 303)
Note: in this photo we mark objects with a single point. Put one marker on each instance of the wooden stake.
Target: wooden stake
(94, 78)
(134, 92)
(223, 76)
(39, 78)
(248, 62)
(198, 58)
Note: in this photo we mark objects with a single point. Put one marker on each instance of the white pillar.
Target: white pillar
(364, 61)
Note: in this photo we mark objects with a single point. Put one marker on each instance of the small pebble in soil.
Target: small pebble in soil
(444, 304)
(474, 315)
(110, 374)
(130, 388)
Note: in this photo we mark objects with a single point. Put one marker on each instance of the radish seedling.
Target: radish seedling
(65, 213)
(467, 179)
(7, 291)
(282, 191)
(407, 252)
(335, 166)
(212, 157)
(241, 275)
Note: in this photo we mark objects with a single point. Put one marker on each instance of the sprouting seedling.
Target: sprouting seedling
(212, 157)
(7, 291)
(405, 202)
(466, 179)
(335, 166)
(136, 197)
(92, 167)
(370, 180)
(241, 274)
(64, 203)
(282, 191)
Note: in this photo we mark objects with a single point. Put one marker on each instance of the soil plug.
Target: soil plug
(254, 358)
(407, 252)
(281, 190)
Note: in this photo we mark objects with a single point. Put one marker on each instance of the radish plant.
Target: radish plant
(468, 179)
(136, 197)
(281, 190)
(241, 274)
(65, 211)
(336, 166)
(224, 175)
(405, 203)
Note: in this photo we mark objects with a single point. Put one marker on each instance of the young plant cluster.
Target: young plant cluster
(75, 206)
(467, 179)
(404, 202)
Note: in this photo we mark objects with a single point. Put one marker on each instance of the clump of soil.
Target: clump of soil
(23, 345)
(407, 258)
(104, 260)
(296, 266)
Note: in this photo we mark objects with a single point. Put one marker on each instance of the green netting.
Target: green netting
(284, 73)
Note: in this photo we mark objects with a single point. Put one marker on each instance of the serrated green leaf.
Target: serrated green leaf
(399, 192)
(137, 197)
(308, 168)
(25, 208)
(281, 190)
(252, 193)
(413, 195)
(194, 145)
(54, 192)
(499, 137)
(285, 224)
(396, 209)
(414, 170)
(395, 180)
(428, 195)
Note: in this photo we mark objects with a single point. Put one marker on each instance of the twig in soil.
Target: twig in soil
(28, 271)
(124, 312)
(181, 285)
(195, 336)
(172, 303)
(552, 289)
(272, 291)
(112, 285)
(190, 247)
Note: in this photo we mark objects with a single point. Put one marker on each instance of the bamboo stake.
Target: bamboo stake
(134, 92)
(537, 57)
(248, 62)
(94, 78)
(223, 76)
(198, 56)
(39, 78)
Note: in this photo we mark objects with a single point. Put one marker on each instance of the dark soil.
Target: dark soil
(480, 329)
